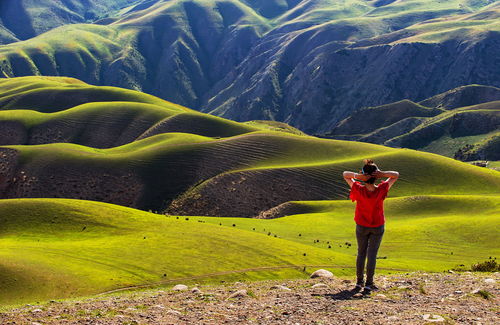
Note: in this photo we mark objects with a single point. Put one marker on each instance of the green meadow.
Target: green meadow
(55, 248)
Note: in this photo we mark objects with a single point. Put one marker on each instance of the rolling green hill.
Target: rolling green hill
(73, 248)
(139, 151)
(53, 249)
(307, 63)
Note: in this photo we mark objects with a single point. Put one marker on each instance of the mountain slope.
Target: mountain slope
(309, 63)
(442, 126)
(24, 19)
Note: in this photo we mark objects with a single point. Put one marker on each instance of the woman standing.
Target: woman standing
(369, 217)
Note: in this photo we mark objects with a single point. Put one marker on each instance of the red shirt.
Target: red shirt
(369, 205)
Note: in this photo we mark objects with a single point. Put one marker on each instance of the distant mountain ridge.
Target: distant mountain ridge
(309, 63)
(462, 123)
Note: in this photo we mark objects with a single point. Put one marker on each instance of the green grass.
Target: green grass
(448, 146)
(431, 233)
(53, 248)
(72, 248)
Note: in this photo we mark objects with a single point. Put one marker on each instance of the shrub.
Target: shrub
(484, 294)
(486, 266)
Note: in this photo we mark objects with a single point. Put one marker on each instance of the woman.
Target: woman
(369, 217)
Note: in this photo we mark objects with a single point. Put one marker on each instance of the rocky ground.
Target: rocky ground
(413, 298)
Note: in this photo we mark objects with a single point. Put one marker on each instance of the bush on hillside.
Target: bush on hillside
(487, 266)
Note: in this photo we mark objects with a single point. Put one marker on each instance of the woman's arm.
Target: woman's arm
(349, 176)
(392, 176)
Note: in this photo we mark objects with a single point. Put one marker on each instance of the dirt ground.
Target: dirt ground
(411, 298)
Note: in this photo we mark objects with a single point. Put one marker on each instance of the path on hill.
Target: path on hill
(411, 298)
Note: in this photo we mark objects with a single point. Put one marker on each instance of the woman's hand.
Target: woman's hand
(388, 174)
(363, 177)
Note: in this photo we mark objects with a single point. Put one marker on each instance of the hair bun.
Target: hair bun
(369, 162)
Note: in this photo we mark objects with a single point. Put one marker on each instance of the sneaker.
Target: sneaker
(358, 287)
(371, 287)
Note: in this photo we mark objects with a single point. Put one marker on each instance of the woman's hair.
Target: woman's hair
(368, 169)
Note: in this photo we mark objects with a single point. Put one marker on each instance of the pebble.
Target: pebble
(280, 287)
(196, 290)
(174, 312)
(433, 318)
(238, 294)
(490, 280)
(319, 286)
(38, 310)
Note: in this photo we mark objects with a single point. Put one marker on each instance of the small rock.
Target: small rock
(433, 318)
(174, 312)
(458, 292)
(381, 295)
(238, 294)
(280, 287)
(180, 287)
(490, 280)
(38, 310)
(392, 318)
(196, 290)
(322, 274)
(451, 271)
(319, 286)
(35, 323)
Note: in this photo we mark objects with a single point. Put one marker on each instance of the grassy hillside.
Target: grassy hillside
(235, 176)
(72, 248)
(123, 147)
(40, 110)
(52, 249)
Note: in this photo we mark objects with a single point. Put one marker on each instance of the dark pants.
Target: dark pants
(368, 243)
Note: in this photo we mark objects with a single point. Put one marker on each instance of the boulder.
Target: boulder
(322, 274)
(180, 287)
